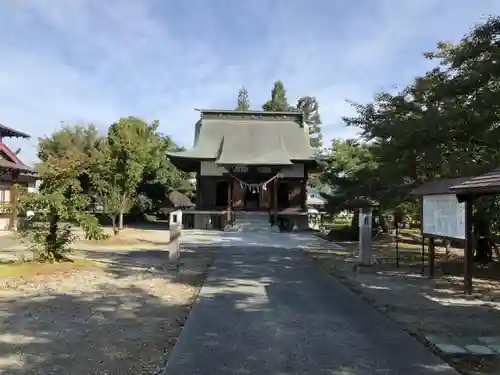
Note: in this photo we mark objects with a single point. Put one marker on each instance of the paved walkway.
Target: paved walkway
(267, 310)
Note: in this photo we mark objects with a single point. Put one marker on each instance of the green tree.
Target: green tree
(443, 124)
(131, 145)
(309, 106)
(278, 101)
(80, 142)
(243, 101)
(61, 202)
(348, 166)
(106, 192)
(160, 176)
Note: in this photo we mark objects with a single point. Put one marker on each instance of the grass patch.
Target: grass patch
(115, 240)
(126, 237)
(29, 269)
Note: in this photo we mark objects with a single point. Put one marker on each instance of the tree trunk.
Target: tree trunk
(51, 239)
(447, 248)
(483, 251)
(113, 222)
(120, 221)
(483, 243)
(122, 211)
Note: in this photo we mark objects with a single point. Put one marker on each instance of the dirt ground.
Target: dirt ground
(121, 313)
(425, 306)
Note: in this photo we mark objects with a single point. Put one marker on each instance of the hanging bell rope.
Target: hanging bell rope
(254, 187)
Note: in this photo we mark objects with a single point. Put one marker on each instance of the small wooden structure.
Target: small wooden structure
(177, 200)
(468, 192)
(429, 189)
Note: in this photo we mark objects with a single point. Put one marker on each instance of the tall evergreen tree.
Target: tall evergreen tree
(309, 106)
(278, 101)
(243, 101)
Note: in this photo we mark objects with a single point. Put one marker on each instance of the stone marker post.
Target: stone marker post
(175, 235)
(365, 236)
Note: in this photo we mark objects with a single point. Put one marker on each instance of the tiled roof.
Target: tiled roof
(177, 200)
(5, 131)
(249, 138)
(488, 183)
(436, 187)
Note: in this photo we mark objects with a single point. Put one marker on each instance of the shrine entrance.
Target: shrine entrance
(251, 199)
(253, 188)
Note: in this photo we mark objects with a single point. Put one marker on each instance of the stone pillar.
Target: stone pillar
(175, 235)
(365, 236)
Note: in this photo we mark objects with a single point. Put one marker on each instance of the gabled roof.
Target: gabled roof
(488, 183)
(5, 131)
(6, 164)
(250, 138)
(437, 187)
(11, 161)
(178, 200)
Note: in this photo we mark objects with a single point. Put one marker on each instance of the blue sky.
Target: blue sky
(80, 61)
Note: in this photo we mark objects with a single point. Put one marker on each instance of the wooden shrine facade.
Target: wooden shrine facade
(251, 188)
(249, 161)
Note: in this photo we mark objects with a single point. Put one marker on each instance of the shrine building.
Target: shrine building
(249, 163)
(13, 172)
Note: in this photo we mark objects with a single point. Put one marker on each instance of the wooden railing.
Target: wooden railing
(6, 208)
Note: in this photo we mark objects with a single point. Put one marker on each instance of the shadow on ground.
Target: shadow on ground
(269, 311)
(264, 310)
(121, 319)
(426, 306)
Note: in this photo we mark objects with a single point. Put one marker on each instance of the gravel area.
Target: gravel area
(426, 306)
(121, 317)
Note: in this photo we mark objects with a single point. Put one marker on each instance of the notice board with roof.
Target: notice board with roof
(442, 214)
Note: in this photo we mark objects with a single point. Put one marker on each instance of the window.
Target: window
(4, 194)
(4, 199)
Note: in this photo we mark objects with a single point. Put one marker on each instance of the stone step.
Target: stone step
(251, 222)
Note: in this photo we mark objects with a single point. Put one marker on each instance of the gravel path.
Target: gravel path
(121, 318)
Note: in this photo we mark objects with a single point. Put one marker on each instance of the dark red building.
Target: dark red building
(12, 171)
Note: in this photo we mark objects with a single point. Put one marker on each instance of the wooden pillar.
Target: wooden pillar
(432, 256)
(229, 198)
(198, 188)
(469, 247)
(304, 188)
(14, 196)
(275, 195)
(274, 206)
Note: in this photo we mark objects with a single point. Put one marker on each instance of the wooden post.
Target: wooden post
(304, 188)
(275, 200)
(422, 254)
(304, 195)
(469, 247)
(229, 198)
(14, 196)
(432, 256)
(198, 188)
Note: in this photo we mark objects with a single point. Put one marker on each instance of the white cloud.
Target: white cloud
(94, 60)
